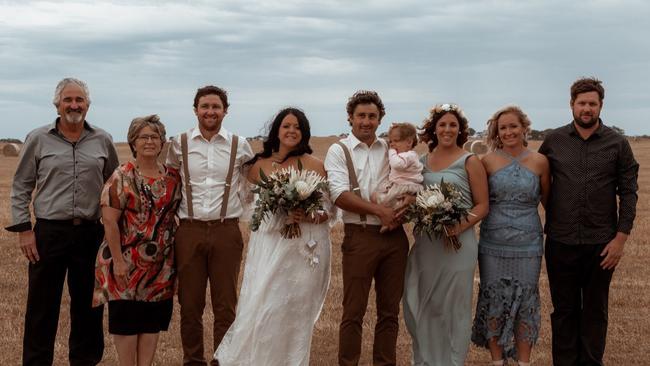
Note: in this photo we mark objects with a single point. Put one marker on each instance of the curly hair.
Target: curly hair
(586, 85)
(209, 90)
(405, 131)
(138, 123)
(365, 97)
(428, 134)
(492, 139)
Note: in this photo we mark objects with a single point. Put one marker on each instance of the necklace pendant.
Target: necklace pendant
(311, 243)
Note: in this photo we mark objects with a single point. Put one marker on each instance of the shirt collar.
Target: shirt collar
(196, 132)
(598, 133)
(354, 141)
(54, 126)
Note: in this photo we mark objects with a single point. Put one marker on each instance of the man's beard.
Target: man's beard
(74, 117)
(586, 125)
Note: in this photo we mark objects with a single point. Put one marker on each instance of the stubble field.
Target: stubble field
(629, 315)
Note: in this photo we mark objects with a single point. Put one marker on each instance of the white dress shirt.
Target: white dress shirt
(370, 164)
(208, 167)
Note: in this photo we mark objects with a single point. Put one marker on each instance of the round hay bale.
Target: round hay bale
(478, 147)
(467, 146)
(11, 149)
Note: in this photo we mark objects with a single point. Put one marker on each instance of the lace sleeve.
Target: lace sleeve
(334, 213)
(248, 199)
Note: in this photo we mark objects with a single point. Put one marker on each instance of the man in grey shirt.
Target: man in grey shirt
(66, 163)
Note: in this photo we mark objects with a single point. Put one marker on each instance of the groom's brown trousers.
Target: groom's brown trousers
(368, 254)
(206, 250)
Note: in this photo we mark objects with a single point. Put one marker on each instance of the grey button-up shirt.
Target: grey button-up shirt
(68, 176)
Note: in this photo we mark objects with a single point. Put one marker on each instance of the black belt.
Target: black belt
(72, 222)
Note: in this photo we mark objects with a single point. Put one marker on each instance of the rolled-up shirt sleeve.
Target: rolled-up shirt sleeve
(337, 171)
(23, 186)
(173, 151)
(627, 187)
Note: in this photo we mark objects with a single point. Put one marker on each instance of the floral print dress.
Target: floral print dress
(147, 228)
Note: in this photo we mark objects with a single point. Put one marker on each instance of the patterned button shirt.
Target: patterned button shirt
(587, 176)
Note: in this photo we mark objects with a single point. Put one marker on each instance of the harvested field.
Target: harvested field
(629, 330)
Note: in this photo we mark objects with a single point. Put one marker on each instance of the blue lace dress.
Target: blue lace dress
(510, 254)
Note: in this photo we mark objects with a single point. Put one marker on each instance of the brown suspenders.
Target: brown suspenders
(186, 172)
(188, 187)
(354, 183)
(231, 167)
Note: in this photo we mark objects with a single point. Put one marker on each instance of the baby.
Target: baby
(405, 175)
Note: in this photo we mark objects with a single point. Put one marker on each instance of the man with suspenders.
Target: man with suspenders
(356, 166)
(208, 241)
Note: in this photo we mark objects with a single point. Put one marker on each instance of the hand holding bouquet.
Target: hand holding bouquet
(435, 208)
(288, 190)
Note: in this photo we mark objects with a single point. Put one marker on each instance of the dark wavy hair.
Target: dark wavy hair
(585, 85)
(208, 90)
(365, 97)
(428, 134)
(272, 141)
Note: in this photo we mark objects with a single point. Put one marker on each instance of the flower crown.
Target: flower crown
(447, 107)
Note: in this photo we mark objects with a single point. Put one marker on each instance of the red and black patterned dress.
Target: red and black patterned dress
(147, 228)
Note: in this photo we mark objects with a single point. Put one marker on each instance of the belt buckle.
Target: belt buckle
(77, 221)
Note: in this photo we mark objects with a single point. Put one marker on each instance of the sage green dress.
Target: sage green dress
(438, 285)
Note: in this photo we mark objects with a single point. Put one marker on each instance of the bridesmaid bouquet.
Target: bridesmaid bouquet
(436, 207)
(285, 190)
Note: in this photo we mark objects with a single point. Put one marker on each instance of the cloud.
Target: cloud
(142, 57)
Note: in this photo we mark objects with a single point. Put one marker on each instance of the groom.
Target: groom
(356, 166)
(208, 241)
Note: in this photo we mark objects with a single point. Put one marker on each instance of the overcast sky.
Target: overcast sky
(150, 57)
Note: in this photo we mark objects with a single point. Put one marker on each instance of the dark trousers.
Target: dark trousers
(63, 248)
(206, 250)
(368, 254)
(579, 292)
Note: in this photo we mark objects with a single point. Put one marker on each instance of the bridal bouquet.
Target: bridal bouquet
(285, 190)
(436, 207)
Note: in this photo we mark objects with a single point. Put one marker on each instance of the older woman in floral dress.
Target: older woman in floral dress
(135, 270)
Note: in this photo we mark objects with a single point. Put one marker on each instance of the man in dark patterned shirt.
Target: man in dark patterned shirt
(591, 165)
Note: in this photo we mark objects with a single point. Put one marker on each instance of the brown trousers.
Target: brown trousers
(206, 250)
(368, 254)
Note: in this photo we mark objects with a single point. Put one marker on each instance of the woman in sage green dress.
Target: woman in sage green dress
(438, 283)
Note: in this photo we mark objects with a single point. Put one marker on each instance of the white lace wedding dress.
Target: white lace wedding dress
(282, 294)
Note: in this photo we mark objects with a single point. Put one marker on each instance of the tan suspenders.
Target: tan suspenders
(186, 172)
(352, 176)
(231, 167)
(188, 187)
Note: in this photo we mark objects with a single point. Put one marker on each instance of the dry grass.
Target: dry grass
(629, 305)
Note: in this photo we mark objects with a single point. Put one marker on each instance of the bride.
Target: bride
(285, 280)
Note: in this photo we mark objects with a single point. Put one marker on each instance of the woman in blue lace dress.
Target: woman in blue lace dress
(510, 247)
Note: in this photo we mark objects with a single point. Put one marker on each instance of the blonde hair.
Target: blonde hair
(492, 139)
(405, 131)
(138, 123)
